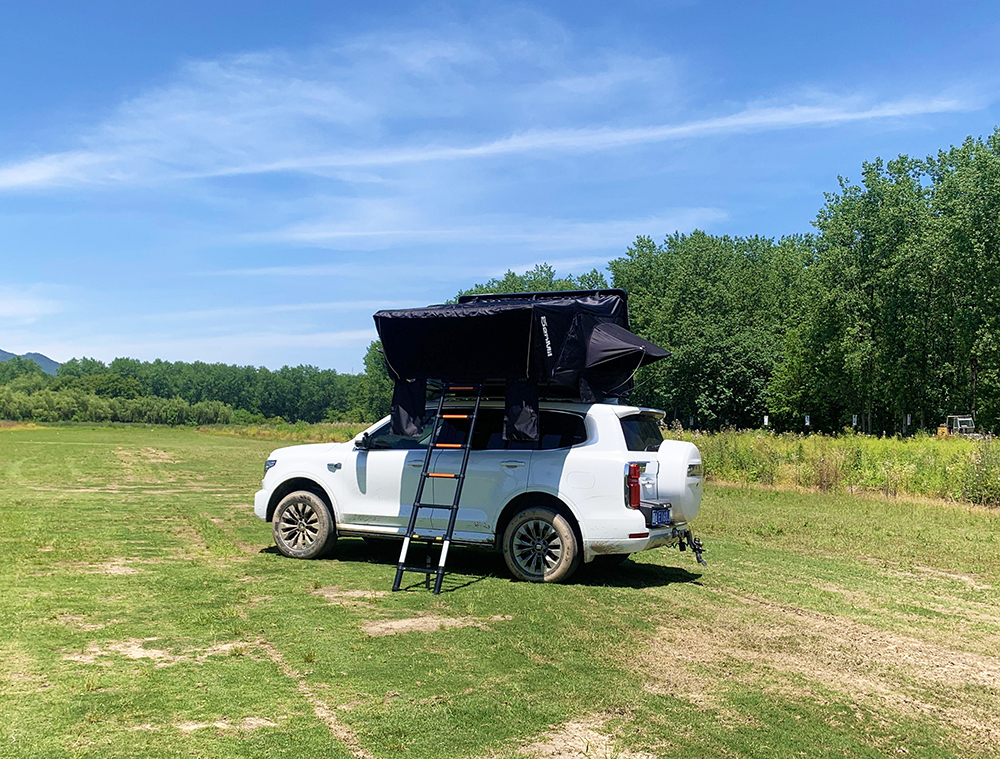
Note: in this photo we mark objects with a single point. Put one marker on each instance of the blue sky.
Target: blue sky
(248, 182)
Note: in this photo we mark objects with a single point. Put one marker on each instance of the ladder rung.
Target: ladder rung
(448, 445)
(423, 570)
(445, 475)
(415, 536)
(456, 416)
(463, 387)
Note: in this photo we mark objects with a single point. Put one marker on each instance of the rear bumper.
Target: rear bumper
(656, 537)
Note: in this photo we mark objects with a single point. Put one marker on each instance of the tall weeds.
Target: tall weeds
(954, 468)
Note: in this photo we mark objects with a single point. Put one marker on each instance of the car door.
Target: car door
(559, 431)
(494, 475)
(376, 487)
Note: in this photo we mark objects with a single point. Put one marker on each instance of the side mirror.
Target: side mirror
(363, 442)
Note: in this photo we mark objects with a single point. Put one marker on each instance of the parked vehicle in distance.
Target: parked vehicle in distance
(957, 424)
(600, 482)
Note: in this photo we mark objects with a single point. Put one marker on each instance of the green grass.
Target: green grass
(143, 613)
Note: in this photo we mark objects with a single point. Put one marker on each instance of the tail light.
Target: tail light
(633, 492)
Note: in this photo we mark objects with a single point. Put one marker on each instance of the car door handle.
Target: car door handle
(415, 463)
(511, 464)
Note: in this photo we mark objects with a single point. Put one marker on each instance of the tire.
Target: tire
(303, 526)
(539, 545)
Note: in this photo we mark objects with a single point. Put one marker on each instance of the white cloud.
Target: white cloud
(26, 305)
(533, 233)
(458, 94)
(284, 308)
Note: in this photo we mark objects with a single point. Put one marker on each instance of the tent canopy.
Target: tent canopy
(574, 343)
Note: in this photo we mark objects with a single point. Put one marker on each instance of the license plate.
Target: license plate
(660, 517)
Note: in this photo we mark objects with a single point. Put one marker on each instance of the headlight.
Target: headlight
(268, 464)
(696, 470)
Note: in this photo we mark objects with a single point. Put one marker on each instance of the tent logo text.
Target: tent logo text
(545, 334)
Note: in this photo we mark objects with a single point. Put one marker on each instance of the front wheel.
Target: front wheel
(539, 545)
(303, 526)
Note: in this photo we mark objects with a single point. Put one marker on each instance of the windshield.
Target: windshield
(642, 432)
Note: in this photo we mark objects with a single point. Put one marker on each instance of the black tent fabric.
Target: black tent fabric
(568, 344)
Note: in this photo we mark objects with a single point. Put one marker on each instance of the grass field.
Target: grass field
(143, 613)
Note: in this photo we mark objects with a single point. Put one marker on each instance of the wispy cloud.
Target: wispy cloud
(284, 308)
(535, 233)
(121, 163)
(26, 305)
(341, 109)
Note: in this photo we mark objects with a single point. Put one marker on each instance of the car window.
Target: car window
(489, 429)
(560, 430)
(642, 432)
(557, 430)
(383, 439)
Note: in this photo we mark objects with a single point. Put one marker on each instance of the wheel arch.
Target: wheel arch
(299, 483)
(535, 498)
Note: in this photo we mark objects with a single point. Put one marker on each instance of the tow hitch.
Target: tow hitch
(690, 541)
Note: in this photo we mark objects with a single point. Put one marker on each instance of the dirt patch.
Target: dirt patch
(130, 456)
(137, 649)
(426, 624)
(247, 723)
(581, 738)
(109, 567)
(192, 543)
(323, 711)
(219, 492)
(78, 621)
(224, 525)
(21, 671)
(928, 574)
(969, 580)
(853, 597)
(802, 653)
(357, 598)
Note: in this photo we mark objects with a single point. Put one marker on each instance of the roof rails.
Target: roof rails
(552, 295)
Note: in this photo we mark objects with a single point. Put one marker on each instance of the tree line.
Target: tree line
(886, 318)
(161, 392)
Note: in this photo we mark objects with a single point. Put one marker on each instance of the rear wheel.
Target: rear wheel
(303, 526)
(539, 545)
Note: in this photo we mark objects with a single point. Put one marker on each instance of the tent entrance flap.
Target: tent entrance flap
(573, 345)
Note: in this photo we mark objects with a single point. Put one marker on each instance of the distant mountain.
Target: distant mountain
(48, 365)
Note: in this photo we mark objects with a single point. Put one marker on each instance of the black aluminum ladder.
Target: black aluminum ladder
(425, 473)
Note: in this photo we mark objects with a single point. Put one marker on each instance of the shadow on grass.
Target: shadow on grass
(469, 565)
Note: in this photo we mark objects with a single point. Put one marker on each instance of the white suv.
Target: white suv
(600, 482)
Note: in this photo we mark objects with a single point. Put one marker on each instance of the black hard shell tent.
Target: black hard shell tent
(574, 345)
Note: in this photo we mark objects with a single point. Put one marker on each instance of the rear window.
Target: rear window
(642, 432)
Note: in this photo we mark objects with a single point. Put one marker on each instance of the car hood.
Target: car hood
(308, 450)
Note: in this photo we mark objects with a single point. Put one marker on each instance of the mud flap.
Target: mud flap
(690, 541)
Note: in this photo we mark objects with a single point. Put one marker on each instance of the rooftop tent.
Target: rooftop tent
(573, 345)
